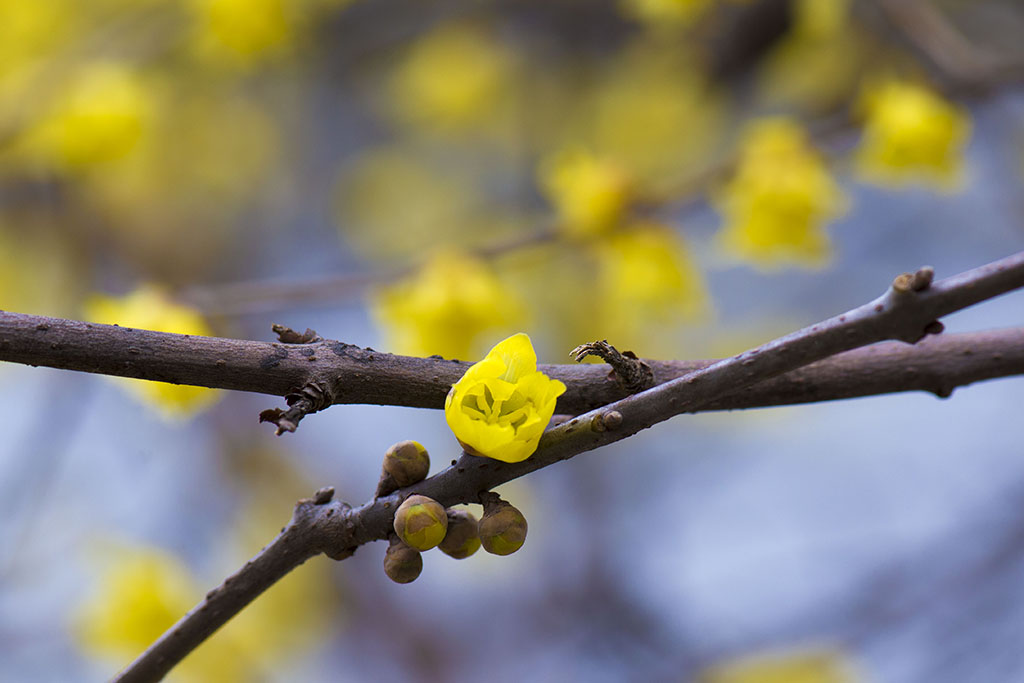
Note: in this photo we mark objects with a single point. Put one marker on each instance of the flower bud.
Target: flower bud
(502, 528)
(421, 522)
(402, 564)
(405, 463)
(463, 537)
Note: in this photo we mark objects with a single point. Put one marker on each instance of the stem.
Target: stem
(907, 312)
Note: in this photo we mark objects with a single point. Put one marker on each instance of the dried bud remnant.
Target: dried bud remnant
(914, 282)
(902, 283)
(922, 279)
(609, 421)
(323, 496)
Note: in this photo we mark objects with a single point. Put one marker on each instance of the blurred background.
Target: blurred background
(685, 178)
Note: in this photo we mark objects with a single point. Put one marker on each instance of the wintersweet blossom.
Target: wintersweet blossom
(817, 665)
(662, 12)
(911, 134)
(149, 308)
(647, 282)
(501, 406)
(446, 307)
(455, 77)
(140, 591)
(242, 31)
(100, 116)
(137, 598)
(589, 193)
(775, 206)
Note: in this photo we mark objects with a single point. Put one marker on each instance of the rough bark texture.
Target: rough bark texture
(357, 375)
(907, 311)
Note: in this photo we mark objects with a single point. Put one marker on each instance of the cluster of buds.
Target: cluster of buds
(421, 523)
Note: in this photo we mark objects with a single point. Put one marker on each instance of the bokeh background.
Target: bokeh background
(686, 178)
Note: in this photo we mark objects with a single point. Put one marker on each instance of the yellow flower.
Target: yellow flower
(817, 64)
(662, 12)
(912, 134)
(648, 282)
(779, 199)
(446, 307)
(100, 116)
(811, 666)
(501, 406)
(150, 309)
(589, 193)
(142, 593)
(396, 201)
(242, 31)
(653, 113)
(456, 76)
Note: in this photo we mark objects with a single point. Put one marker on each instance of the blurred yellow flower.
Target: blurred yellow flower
(661, 12)
(912, 134)
(395, 200)
(241, 31)
(39, 267)
(648, 281)
(173, 205)
(455, 76)
(819, 62)
(655, 115)
(446, 307)
(776, 204)
(143, 591)
(501, 406)
(150, 309)
(99, 116)
(31, 30)
(589, 194)
(141, 594)
(812, 666)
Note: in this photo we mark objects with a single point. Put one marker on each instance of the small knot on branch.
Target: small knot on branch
(606, 422)
(632, 373)
(323, 496)
(914, 282)
(287, 335)
(313, 397)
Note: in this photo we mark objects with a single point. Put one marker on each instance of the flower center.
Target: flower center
(480, 403)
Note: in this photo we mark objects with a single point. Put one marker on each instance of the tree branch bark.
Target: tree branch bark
(937, 365)
(907, 311)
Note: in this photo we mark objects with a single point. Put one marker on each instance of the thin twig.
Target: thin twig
(314, 521)
(960, 62)
(632, 373)
(903, 313)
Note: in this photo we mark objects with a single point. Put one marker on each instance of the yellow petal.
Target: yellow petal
(501, 406)
(518, 356)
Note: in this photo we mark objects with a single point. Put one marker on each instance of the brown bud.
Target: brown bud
(463, 537)
(405, 463)
(502, 528)
(402, 564)
(421, 522)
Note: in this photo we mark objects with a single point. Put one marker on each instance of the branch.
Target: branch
(355, 375)
(314, 521)
(632, 373)
(960, 62)
(907, 311)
